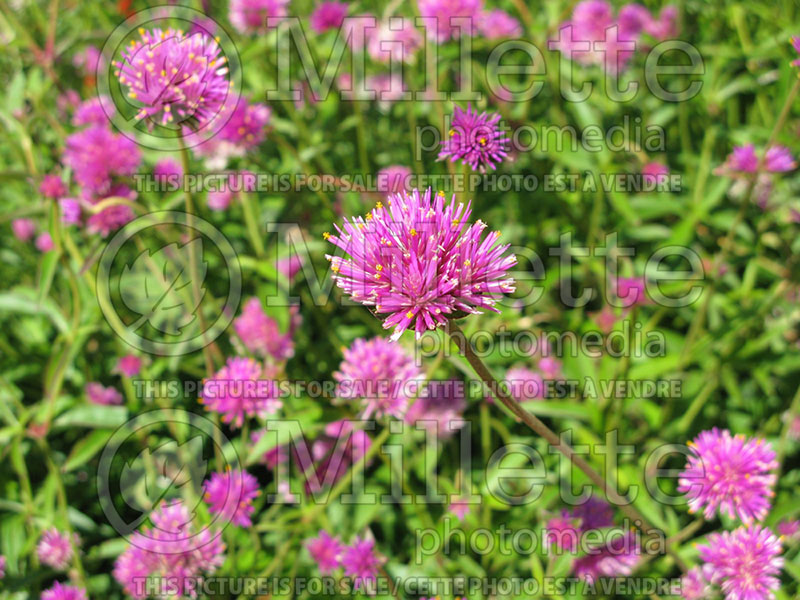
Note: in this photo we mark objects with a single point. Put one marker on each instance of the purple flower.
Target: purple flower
(744, 159)
(239, 390)
(475, 139)
(562, 532)
(393, 179)
(779, 159)
(250, 16)
(395, 39)
(695, 584)
(129, 365)
(388, 88)
(173, 76)
(44, 243)
(460, 508)
(97, 394)
(55, 549)
(88, 60)
(114, 216)
(171, 548)
(52, 186)
(244, 129)
(524, 384)
(417, 261)
(653, 171)
(325, 551)
(70, 211)
(328, 15)
(615, 558)
(166, 167)
(789, 529)
(2, 566)
(94, 111)
(260, 333)
(443, 10)
(745, 562)
(289, 266)
(64, 592)
(666, 26)
(439, 407)
(631, 291)
(498, 24)
(23, 229)
(593, 514)
(729, 474)
(380, 375)
(632, 19)
(361, 562)
(231, 494)
(796, 46)
(97, 156)
(333, 452)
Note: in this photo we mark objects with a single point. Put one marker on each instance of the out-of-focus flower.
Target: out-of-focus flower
(380, 375)
(52, 186)
(393, 179)
(744, 160)
(23, 229)
(167, 167)
(240, 390)
(244, 129)
(524, 384)
(653, 171)
(328, 15)
(793, 423)
(665, 26)
(418, 261)
(475, 139)
(171, 548)
(272, 457)
(55, 549)
(64, 592)
(129, 365)
(465, 15)
(745, 562)
(326, 551)
(44, 243)
(729, 474)
(562, 532)
(260, 333)
(497, 24)
(617, 557)
(388, 88)
(97, 155)
(695, 584)
(230, 495)
(333, 452)
(70, 211)
(96, 393)
(174, 77)
(113, 216)
(88, 60)
(796, 46)
(289, 266)
(250, 16)
(395, 39)
(94, 111)
(361, 562)
(439, 406)
(789, 529)
(2, 566)
(630, 291)
(779, 159)
(460, 509)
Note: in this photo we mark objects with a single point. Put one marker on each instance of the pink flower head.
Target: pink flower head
(250, 16)
(789, 529)
(633, 19)
(239, 390)
(779, 159)
(231, 495)
(97, 155)
(260, 333)
(524, 384)
(70, 211)
(96, 393)
(388, 88)
(617, 557)
(465, 15)
(562, 532)
(695, 584)
(380, 375)
(114, 216)
(289, 266)
(88, 60)
(460, 508)
(171, 76)
(94, 111)
(593, 514)
(417, 261)
(64, 592)
(631, 291)
(393, 179)
(730, 474)
(172, 548)
(2, 566)
(361, 562)
(796, 46)
(745, 562)
(44, 243)
(326, 551)
(395, 39)
(653, 171)
(439, 406)
(23, 229)
(475, 139)
(52, 186)
(665, 26)
(498, 24)
(166, 167)
(333, 452)
(129, 365)
(272, 457)
(55, 548)
(328, 15)
(550, 367)
(244, 129)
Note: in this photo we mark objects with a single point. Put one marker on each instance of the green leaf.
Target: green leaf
(85, 450)
(93, 416)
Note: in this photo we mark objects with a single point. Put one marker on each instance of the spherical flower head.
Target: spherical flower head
(64, 592)
(695, 584)
(174, 77)
(361, 562)
(23, 229)
(240, 390)
(96, 393)
(44, 243)
(55, 548)
(171, 548)
(617, 557)
(129, 365)
(244, 128)
(459, 508)
(443, 29)
(94, 111)
(416, 260)
(796, 46)
(52, 186)
(231, 494)
(550, 367)
(379, 374)
(524, 384)
(393, 179)
(97, 155)
(167, 167)
(745, 562)
(562, 533)
(653, 171)
(70, 211)
(779, 160)
(395, 39)
(729, 474)
(388, 88)
(595, 513)
(328, 15)
(260, 333)
(219, 200)
(665, 26)
(326, 551)
(632, 19)
(631, 291)
(250, 16)
(114, 216)
(475, 139)
(439, 407)
(498, 24)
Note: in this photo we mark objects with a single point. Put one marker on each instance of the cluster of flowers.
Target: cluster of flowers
(743, 164)
(359, 560)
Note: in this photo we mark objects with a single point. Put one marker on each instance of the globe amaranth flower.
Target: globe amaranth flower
(326, 551)
(393, 179)
(653, 172)
(380, 375)
(695, 584)
(96, 393)
(417, 261)
(439, 407)
(261, 334)
(231, 494)
(88, 60)
(250, 16)
(630, 291)
(523, 384)
(395, 39)
(744, 159)
(174, 77)
(460, 508)
(70, 209)
(328, 15)
(497, 24)
(338, 447)
(44, 243)
(745, 562)
(616, 557)
(167, 167)
(23, 229)
(475, 139)
(789, 529)
(244, 128)
(562, 532)
(55, 549)
(129, 365)
(52, 186)
(114, 214)
(361, 562)
(240, 389)
(173, 549)
(97, 155)
(94, 111)
(729, 474)
(64, 592)
(465, 15)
